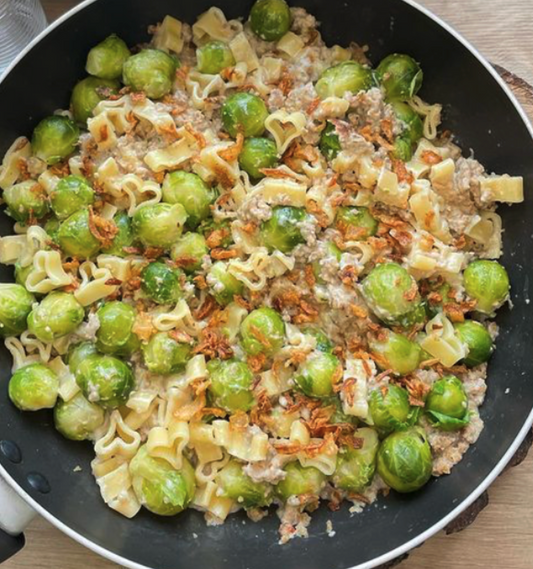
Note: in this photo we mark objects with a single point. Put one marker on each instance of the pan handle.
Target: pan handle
(15, 515)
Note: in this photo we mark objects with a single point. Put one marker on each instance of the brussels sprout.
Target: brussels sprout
(57, 315)
(487, 283)
(281, 231)
(478, 341)
(15, 306)
(115, 335)
(223, 229)
(151, 71)
(300, 480)
(75, 237)
(235, 484)
(159, 487)
(331, 251)
(391, 411)
(396, 352)
(231, 385)
(26, 200)
(391, 292)
(317, 374)
(105, 380)
(262, 332)
(79, 353)
(71, 194)
(436, 304)
(213, 57)
(87, 94)
(270, 19)
(401, 77)
(34, 387)
(54, 138)
(412, 133)
(191, 192)
(224, 285)
(404, 460)
(106, 59)
(164, 355)
(78, 418)
(161, 283)
(52, 227)
(346, 76)
(329, 143)
(356, 467)
(159, 225)
(323, 343)
(256, 154)
(124, 237)
(189, 252)
(244, 113)
(357, 223)
(447, 404)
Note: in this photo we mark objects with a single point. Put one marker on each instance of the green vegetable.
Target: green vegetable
(163, 355)
(316, 375)
(346, 76)
(159, 225)
(79, 353)
(151, 71)
(412, 133)
(78, 418)
(106, 59)
(300, 480)
(34, 387)
(71, 194)
(15, 306)
(331, 251)
(357, 223)
(262, 331)
(404, 460)
(55, 138)
(244, 113)
(329, 143)
(159, 487)
(213, 57)
(87, 94)
(26, 199)
(124, 237)
(190, 250)
(115, 334)
(396, 352)
(323, 343)
(161, 283)
(270, 19)
(75, 237)
(52, 227)
(224, 286)
(235, 484)
(447, 404)
(400, 76)
(57, 315)
(477, 339)
(356, 466)
(487, 282)
(231, 385)
(256, 154)
(281, 232)
(392, 411)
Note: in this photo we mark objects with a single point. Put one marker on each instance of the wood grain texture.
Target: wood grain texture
(502, 536)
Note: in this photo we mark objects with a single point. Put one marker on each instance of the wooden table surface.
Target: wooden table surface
(502, 536)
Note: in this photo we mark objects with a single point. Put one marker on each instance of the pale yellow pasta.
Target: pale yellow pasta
(10, 168)
(285, 128)
(211, 166)
(508, 189)
(201, 86)
(168, 443)
(290, 44)
(390, 191)
(249, 443)
(275, 191)
(356, 376)
(486, 230)
(179, 317)
(325, 460)
(425, 207)
(243, 52)
(235, 314)
(431, 114)
(115, 488)
(19, 355)
(332, 107)
(106, 174)
(48, 273)
(117, 113)
(442, 342)
(171, 157)
(94, 284)
(299, 433)
(368, 173)
(442, 174)
(202, 441)
(103, 131)
(117, 266)
(48, 181)
(68, 387)
(213, 25)
(206, 499)
(119, 440)
(152, 112)
(168, 36)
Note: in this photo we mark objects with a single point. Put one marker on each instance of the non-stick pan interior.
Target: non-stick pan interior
(482, 117)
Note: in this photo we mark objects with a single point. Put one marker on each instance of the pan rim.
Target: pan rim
(431, 531)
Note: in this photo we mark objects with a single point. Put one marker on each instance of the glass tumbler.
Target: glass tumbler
(20, 22)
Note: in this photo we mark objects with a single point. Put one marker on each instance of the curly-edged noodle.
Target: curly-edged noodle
(356, 377)
(486, 230)
(103, 131)
(368, 172)
(118, 441)
(442, 342)
(277, 191)
(22, 249)
(212, 25)
(68, 387)
(419, 167)
(169, 158)
(325, 460)
(117, 266)
(290, 44)
(201, 86)
(425, 207)
(139, 192)
(117, 112)
(285, 127)
(196, 368)
(139, 415)
(259, 267)
(235, 314)
(431, 114)
(202, 440)
(179, 317)
(48, 181)
(442, 174)
(168, 443)
(332, 108)
(245, 443)
(18, 353)
(508, 189)
(168, 36)
(211, 166)
(244, 240)
(10, 168)
(390, 191)
(272, 68)
(94, 285)
(160, 119)
(243, 52)
(107, 174)
(47, 274)
(207, 499)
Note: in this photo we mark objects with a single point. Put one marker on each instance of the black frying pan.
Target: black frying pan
(482, 114)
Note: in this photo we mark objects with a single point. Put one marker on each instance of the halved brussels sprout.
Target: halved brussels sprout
(316, 375)
(15, 306)
(235, 484)
(79, 353)
(78, 418)
(478, 341)
(124, 237)
(487, 282)
(348, 76)
(412, 133)
(329, 143)
(270, 19)
(54, 138)
(391, 411)
(404, 460)
(256, 154)
(396, 352)
(244, 113)
(231, 385)
(57, 315)
(357, 223)
(356, 467)
(262, 332)
(106, 59)
(87, 94)
(189, 252)
(281, 232)
(151, 71)
(223, 285)
(300, 480)
(105, 380)
(192, 193)
(71, 194)
(164, 355)
(213, 57)
(34, 387)
(52, 227)
(161, 283)
(447, 404)
(25, 200)
(75, 237)
(401, 77)
(159, 225)
(159, 487)
(115, 335)
(323, 343)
